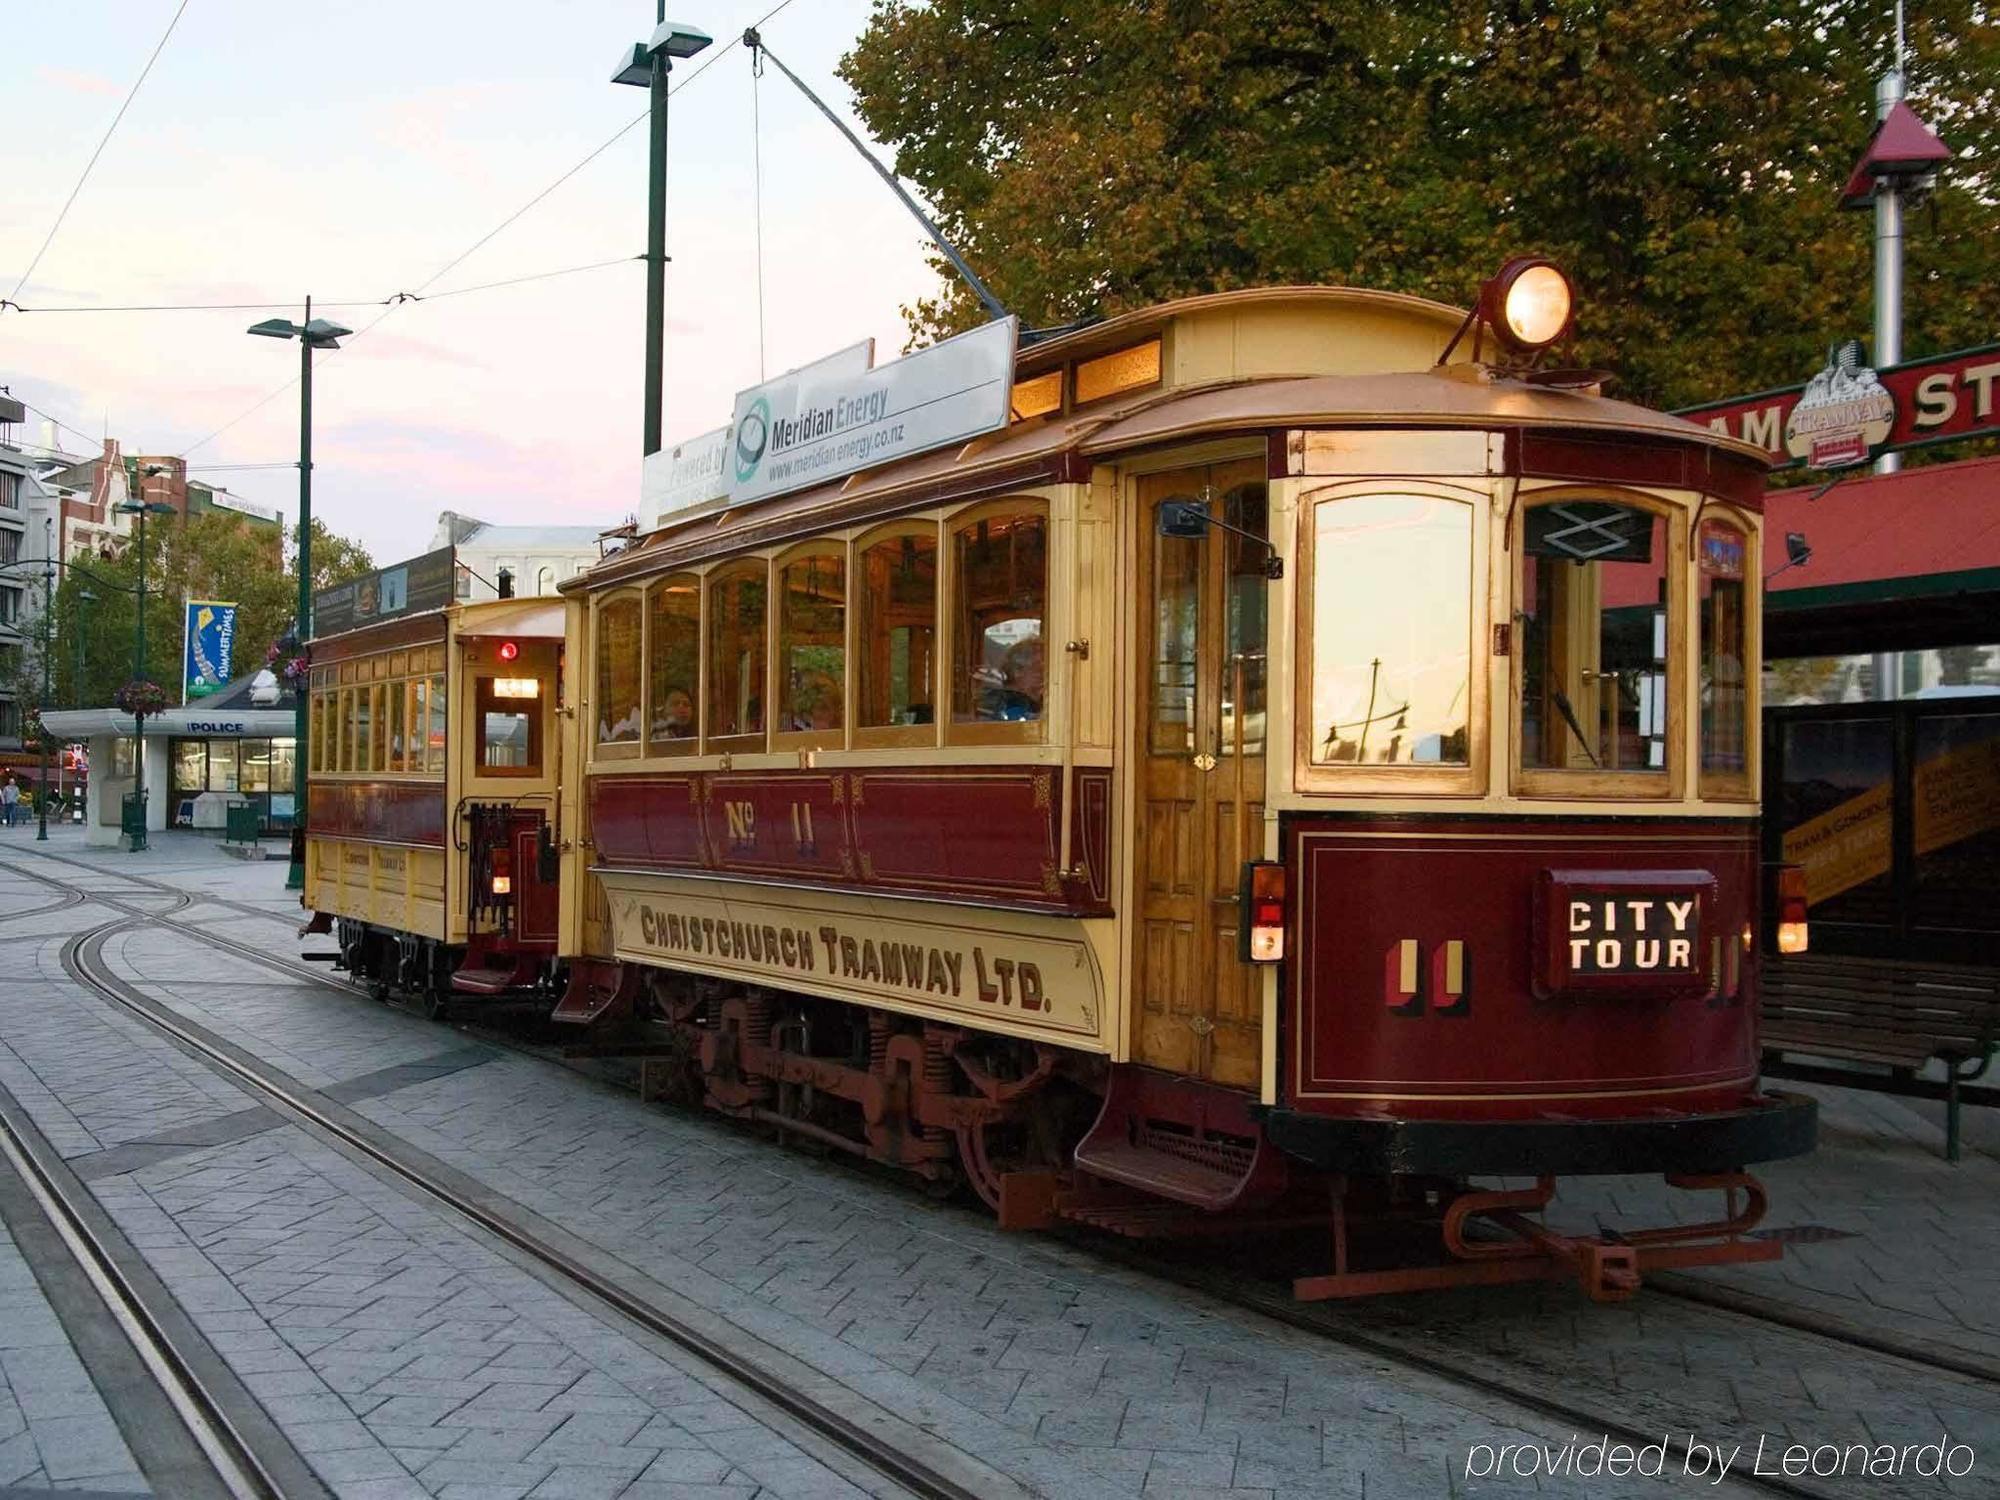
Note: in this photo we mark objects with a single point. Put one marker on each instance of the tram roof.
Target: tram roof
(1063, 444)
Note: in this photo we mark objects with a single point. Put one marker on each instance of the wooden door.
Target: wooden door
(1200, 743)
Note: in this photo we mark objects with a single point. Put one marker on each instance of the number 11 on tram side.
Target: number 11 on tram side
(1300, 770)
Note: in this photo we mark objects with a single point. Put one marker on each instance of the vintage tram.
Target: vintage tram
(1304, 762)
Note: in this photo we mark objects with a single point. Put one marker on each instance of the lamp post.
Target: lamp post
(313, 333)
(140, 509)
(647, 66)
(84, 597)
(48, 617)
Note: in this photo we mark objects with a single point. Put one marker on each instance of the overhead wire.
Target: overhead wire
(130, 94)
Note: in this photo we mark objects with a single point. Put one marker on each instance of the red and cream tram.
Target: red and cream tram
(1294, 756)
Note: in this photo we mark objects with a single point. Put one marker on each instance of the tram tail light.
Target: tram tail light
(1261, 939)
(1793, 936)
(503, 872)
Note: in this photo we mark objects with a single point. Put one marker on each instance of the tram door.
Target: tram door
(1201, 795)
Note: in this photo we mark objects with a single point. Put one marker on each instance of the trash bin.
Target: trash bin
(242, 825)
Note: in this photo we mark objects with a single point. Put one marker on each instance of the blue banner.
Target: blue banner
(210, 639)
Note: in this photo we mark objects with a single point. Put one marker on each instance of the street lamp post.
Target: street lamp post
(140, 509)
(647, 66)
(313, 333)
(48, 616)
(84, 598)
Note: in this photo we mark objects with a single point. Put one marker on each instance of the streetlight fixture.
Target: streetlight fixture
(140, 509)
(647, 66)
(313, 333)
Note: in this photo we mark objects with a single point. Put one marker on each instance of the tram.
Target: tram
(1302, 767)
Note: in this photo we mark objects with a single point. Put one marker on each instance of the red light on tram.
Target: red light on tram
(1794, 934)
(509, 650)
(1261, 939)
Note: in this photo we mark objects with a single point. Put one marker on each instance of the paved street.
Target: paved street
(401, 1351)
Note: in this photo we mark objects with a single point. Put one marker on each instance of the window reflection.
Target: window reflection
(1002, 593)
(1176, 640)
(737, 607)
(1593, 622)
(898, 638)
(674, 659)
(812, 643)
(1725, 681)
(618, 673)
(1392, 627)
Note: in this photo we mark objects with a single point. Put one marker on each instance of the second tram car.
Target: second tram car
(1297, 767)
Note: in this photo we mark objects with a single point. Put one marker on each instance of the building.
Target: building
(535, 558)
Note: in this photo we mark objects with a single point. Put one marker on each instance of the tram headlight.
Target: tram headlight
(1529, 304)
(1261, 938)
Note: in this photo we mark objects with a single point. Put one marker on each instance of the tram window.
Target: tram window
(364, 729)
(812, 644)
(316, 735)
(673, 658)
(1721, 567)
(394, 694)
(1000, 588)
(510, 726)
(1391, 631)
(898, 635)
(1177, 614)
(618, 672)
(738, 604)
(434, 739)
(1246, 612)
(1595, 678)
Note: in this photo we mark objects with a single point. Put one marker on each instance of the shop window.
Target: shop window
(898, 635)
(1721, 564)
(812, 645)
(222, 774)
(190, 767)
(256, 766)
(510, 726)
(737, 625)
(1834, 813)
(673, 663)
(1391, 631)
(618, 656)
(1596, 682)
(1000, 584)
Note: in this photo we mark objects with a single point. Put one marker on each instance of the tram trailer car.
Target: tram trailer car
(430, 834)
(1302, 768)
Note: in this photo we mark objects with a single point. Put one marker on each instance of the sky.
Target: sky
(351, 151)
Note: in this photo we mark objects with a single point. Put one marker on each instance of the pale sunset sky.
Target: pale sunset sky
(350, 151)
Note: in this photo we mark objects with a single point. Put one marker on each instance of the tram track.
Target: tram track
(1268, 1300)
(84, 961)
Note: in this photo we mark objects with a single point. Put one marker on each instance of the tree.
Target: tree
(1682, 161)
(215, 555)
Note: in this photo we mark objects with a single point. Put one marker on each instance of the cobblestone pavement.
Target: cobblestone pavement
(403, 1334)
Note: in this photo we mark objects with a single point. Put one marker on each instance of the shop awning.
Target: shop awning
(192, 720)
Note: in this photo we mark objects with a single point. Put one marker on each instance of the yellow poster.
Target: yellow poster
(1848, 845)
(1957, 795)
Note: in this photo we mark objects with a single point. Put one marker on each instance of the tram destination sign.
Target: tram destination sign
(409, 588)
(1624, 930)
(1847, 413)
(826, 420)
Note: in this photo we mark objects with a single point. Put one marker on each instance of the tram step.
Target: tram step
(1181, 1139)
(483, 981)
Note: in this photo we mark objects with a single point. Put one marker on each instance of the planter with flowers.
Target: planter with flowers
(140, 698)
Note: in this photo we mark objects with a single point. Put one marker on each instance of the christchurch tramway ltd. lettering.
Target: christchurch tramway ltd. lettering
(919, 968)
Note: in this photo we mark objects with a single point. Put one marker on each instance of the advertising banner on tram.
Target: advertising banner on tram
(207, 644)
(826, 420)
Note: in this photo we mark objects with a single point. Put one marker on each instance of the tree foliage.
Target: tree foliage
(215, 555)
(1683, 160)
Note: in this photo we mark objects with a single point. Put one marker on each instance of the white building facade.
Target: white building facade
(536, 558)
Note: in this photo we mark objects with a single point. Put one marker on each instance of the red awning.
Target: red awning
(1920, 523)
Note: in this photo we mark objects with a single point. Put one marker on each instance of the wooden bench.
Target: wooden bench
(1893, 1014)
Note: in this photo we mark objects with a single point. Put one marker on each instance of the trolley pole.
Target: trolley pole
(48, 616)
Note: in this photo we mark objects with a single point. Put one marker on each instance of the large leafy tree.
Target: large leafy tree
(215, 555)
(1683, 160)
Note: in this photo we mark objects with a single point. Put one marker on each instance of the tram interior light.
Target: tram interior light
(1529, 305)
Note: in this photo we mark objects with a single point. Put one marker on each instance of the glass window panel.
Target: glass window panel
(364, 730)
(510, 737)
(737, 600)
(256, 763)
(1176, 636)
(1721, 560)
(1834, 812)
(1121, 370)
(1595, 681)
(394, 695)
(1955, 805)
(812, 643)
(898, 637)
(284, 773)
(1001, 590)
(435, 739)
(618, 673)
(190, 766)
(345, 746)
(674, 659)
(1246, 611)
(1392, 631)
(222, 775)
(1034, 397)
